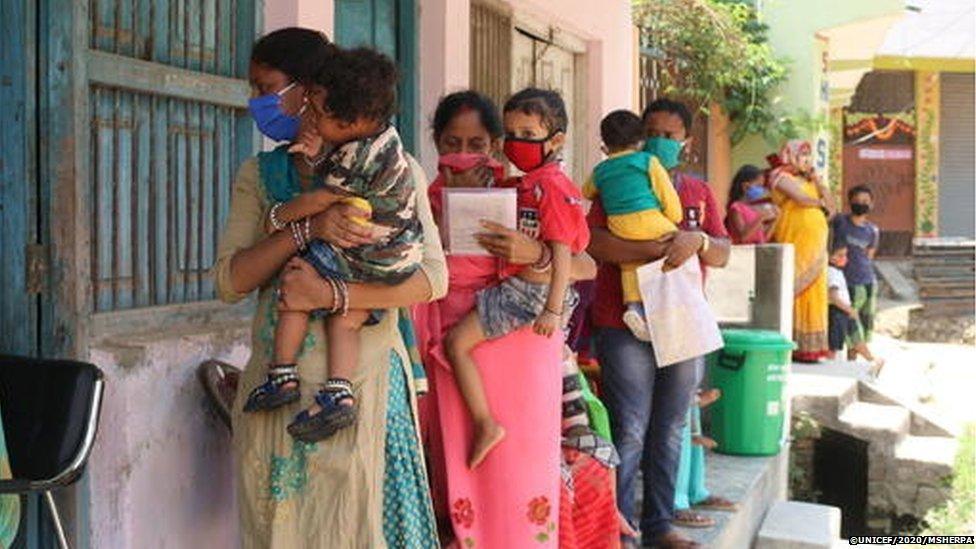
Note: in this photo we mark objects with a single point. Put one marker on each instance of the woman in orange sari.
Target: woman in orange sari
(805, 203)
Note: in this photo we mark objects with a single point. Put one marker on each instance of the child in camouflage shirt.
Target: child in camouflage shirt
(353, 98)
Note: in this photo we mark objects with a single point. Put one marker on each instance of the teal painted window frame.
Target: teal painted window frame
(351, 31)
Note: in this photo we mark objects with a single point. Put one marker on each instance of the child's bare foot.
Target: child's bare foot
(487, 435)
(625, 528)
(705, 442)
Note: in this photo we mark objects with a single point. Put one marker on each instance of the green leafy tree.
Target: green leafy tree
(717, 51)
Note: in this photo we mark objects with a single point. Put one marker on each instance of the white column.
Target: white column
(313, 14)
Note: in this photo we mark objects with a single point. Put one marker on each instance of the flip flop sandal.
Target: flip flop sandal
(717, 504)
(272, 394)
(220, 381)
(333, 416)
(692, 520)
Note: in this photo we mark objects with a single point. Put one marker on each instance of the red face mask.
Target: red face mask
(525, 154)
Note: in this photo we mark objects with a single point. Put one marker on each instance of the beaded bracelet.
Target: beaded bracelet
(273, 217)
(296, 234)
(308, 230)
(335, 295)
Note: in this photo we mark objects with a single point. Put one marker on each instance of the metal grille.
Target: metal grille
(650, 80)
(199, 35)
(163, 149)
(696, 159)
(491, 51)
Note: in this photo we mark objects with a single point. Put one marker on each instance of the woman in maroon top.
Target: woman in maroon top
(648, 404)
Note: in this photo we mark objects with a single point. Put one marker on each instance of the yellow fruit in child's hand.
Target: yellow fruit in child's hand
(362, 204)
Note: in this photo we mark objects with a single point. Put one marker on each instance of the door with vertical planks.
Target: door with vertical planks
(122, 126)
(164, 99)
(389, 26)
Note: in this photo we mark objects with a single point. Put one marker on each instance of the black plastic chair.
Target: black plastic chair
(50, 417)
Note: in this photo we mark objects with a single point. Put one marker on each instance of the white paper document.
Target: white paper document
(681, 323)
(464, 210)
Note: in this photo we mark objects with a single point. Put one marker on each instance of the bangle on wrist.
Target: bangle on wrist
(344, 290)
(544, 261)
(550, 311)
(705, 243)
(335, 295)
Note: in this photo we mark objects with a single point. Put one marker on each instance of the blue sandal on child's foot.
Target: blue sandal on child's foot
(272, 393)
(333, 416)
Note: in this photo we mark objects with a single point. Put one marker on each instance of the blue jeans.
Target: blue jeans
(648, 409)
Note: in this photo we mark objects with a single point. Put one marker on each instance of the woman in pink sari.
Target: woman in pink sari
(512, 499)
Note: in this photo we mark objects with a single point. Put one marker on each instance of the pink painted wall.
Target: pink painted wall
(445, 48)
(444, 45)
(606, 28)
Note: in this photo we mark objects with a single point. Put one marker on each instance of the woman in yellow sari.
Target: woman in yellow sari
(805, 203)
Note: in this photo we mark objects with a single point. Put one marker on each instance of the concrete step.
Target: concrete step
(926, 458)
(799, 525)
(921, 467)
(924, 423)
(755, 483)
(876, 423)
(823, 397)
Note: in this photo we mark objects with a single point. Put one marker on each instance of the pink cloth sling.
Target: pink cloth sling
(512, 499)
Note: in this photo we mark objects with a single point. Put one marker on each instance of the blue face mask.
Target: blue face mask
(755, 193)
(271, 119)
(667, 151)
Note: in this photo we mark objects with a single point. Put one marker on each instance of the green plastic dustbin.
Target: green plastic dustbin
(751, 373)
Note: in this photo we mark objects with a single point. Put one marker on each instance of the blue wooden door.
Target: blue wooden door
(167, 128)
(18, 186)
(19, 194)
(122, 123)
(390, 26)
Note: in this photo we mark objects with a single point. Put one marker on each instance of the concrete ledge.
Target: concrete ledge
(799, 525)
(755, 483)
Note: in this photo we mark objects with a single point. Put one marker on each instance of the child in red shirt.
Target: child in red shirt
(550, 208)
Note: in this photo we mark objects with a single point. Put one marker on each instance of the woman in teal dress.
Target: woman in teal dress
(367, 485)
